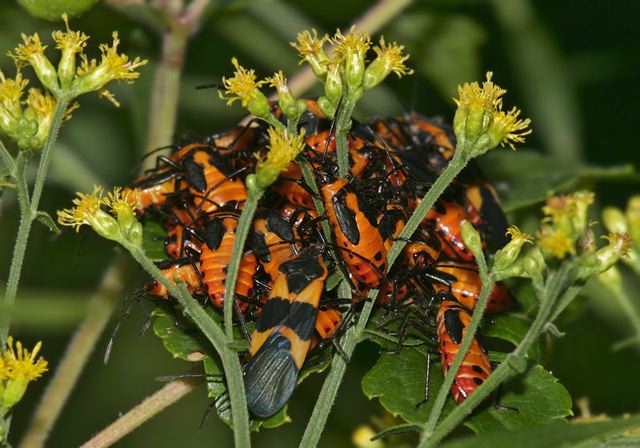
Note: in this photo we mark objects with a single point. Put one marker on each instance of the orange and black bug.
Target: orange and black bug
(282, 337)
(211, 181)
(218, 235)
(446, 217)
(483, 207)
(291, 187)
(463, 282)
(358, 240)
(172, 269)
(273, 240)
(453, 320)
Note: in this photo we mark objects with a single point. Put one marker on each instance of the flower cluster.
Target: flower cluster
(345, 71)
(480, 124)
(27, 121)
(18, 367)
(118, 223)
(564, 231)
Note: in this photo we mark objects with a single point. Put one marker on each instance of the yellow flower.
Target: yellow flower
(554, 242)
(92, 77)
(18, 368)
(351, 49)
(11, 91)
(291, 107)
(283, 149)
(390, 59)
(568, 213)
(40, 108)
(244, 87)
(480, 123)
(70, 43)
(88, 211)
(619, 245)
(310, 49)
(507, 129)
(31, 52)
(122, 204)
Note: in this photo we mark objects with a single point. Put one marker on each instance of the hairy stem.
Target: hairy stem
(215, 335)
(343, 124)
(467, 340)
(151, 406)
(6, 158)
(28, 213)
(99, 310)
(244, 224)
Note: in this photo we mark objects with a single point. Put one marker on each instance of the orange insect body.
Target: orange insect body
(453, 321)
(363, 251)
(180, 270)
(220, 235)
(465, 285)
(210, 185)
(446, 218)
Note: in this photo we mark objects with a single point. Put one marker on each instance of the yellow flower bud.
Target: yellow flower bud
(18, 367)
(471, 237)
(31, 52)
(310, 49)
(283, 149)
(633, 218)
(291, 107)
(601, 260)
(506, 256)
(122, 204)
(243, 87)
(333, 82)
(479, 122)
(351, 49)
(390, 60)
(88, 211)
(70, 44)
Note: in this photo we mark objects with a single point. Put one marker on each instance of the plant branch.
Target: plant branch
(151, 406)
(28, 213)
(99, 310)
(467, 340)
(7, 159)
(343, 124)
(215, 334)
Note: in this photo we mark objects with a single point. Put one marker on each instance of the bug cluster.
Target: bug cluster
(285, 277)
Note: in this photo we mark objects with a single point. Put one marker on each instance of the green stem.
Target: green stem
(629, 310)
(244, 225)
(343, 124)
(28, 213)
(467, 340)
(7, 159)
(317, 202)
(318, 419)
(215, 334)
(99, 310)
(513, 364)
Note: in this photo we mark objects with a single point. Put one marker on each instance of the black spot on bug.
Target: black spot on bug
(213, 233)
(346, 217)
(477, 369)
(453, 325)
(301, 271)
(194, 174)
(478, 381)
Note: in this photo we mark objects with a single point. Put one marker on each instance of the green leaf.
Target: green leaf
(179, 338)
(524, 178)
(400, 393)
(538, 396)
(397, 430)
(584, 435)
(512, 328)
(153, 240)
(45, 219)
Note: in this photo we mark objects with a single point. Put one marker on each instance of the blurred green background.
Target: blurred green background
(572, 66)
